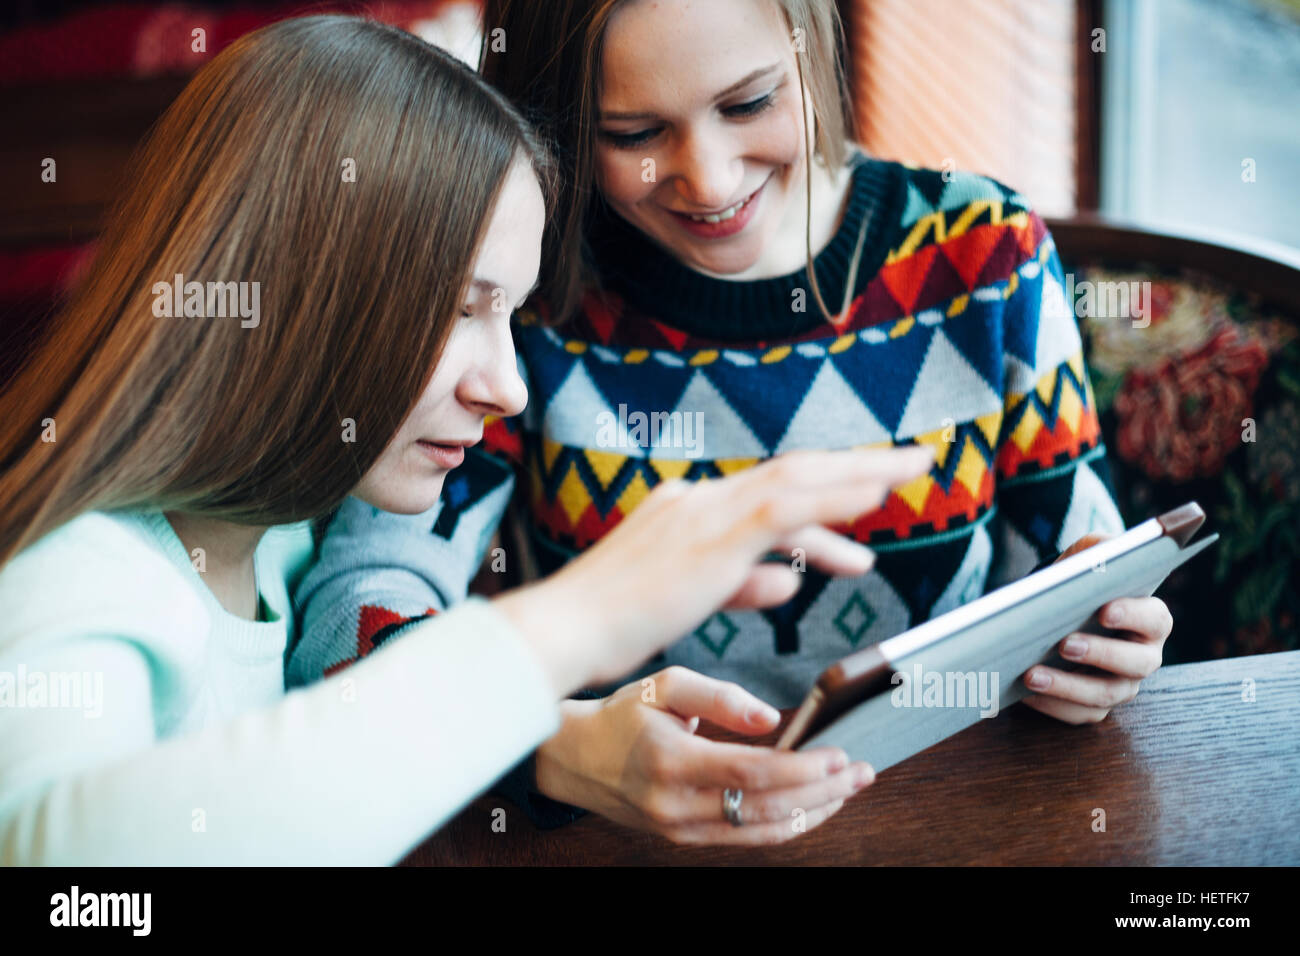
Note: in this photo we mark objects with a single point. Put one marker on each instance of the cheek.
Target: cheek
(781, 133)
(619, 176)
(457, 356)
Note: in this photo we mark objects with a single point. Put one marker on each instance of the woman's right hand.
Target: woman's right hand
(690, 548)
(633, 757)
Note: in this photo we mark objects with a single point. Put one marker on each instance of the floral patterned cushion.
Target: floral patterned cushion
(1204, 404)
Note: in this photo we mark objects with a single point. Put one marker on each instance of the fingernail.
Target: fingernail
(863, 776)
(1074, 648)
(762, 715)
(1114, 617)
(1039, 680)
(839, 762)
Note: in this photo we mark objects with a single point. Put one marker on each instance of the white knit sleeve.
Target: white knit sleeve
(356, 769)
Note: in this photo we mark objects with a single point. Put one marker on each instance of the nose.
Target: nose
(705, 173)
(492, 385)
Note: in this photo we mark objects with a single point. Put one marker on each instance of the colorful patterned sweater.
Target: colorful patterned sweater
(958, 336)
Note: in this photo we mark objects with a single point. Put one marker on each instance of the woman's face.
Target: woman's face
(476, 374)
(700, 116)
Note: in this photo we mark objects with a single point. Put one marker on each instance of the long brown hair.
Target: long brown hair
(245, 178)
(550, 69)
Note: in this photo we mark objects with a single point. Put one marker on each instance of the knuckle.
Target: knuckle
(670, 677)
(785, 468)
(659, 810)
(1100, 654)
(728, 697)
(658, 764)
(764, 809)
(766, 513)
(743, 776)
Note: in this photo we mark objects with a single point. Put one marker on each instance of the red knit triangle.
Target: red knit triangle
(600, 319)
(967, 253)
(674, 337)
(1002, 260)
(499, 439)
(875, 305)
(906, 277)
(941, 284)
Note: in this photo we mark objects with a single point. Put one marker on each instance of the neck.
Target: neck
(222, 553)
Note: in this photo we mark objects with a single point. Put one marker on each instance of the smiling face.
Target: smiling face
(476, 374)
(708, 90)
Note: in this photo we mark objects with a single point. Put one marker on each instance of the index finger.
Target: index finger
(709, 763)
(805, 488)
(809, 470)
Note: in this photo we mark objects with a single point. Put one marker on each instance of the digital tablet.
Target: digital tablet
(896, 698)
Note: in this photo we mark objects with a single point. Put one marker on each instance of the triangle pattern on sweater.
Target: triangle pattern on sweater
(831, 414)
(578, 414)
(893, 374)
(947, 381)
(726, 434)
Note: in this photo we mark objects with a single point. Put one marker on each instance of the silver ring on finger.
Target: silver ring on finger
(731, 800)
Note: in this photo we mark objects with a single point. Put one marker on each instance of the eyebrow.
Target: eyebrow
(744, 81)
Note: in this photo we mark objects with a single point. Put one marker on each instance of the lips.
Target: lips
(448, 454)
(725, 214)
(723, 223)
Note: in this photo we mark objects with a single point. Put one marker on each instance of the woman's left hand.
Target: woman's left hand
(1081, 698)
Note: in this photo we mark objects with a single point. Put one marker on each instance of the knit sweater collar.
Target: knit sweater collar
(654, 282)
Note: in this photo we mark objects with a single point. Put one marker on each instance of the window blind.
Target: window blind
(981, 85)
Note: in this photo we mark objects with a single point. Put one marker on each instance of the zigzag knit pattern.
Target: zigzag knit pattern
(962, 340)
(958, 336)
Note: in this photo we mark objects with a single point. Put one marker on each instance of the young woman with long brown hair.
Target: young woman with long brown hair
(161, 465)
(724, 254)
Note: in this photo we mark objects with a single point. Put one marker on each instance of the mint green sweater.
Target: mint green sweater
(142, 723)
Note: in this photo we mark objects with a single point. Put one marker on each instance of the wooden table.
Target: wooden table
(1188, 773)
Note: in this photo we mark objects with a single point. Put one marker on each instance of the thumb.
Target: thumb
(688, 694)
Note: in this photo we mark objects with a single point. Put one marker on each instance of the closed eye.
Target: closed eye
(629, 140)
(752, 108)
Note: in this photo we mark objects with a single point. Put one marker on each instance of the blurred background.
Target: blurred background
(1161, 139)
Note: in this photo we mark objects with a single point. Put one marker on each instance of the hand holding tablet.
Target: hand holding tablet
(1118, 656)
(896, 698)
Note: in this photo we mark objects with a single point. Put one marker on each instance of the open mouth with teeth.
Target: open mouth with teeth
(725, 214)
(720, 224)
